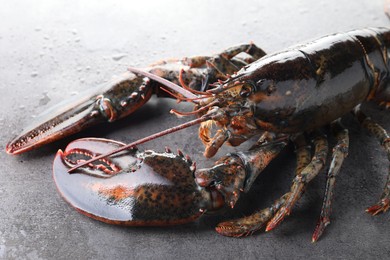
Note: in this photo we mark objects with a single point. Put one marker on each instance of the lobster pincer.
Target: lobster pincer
(148, 188)
(124, 95)
(92, 107)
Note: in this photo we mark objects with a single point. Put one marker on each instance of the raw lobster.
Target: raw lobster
(288, 95)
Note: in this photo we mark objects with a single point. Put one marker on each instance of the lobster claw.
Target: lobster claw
(108, 102)
(131, 188)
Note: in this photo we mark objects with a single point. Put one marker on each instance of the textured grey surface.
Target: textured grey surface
(51, 50)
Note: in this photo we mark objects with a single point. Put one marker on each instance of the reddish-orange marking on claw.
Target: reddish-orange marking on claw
(117, 193)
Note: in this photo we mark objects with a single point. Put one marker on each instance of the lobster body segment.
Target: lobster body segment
(310, 85)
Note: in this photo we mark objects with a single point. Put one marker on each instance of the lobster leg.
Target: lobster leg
(247, 225)
(384, 203)
(251, 49)
(236, 172)
(303, 152)
(340, 152)
(227, 62)
(221, 65)
(301, 180)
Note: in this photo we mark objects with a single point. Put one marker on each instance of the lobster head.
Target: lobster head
(229, 105)
(268, 95)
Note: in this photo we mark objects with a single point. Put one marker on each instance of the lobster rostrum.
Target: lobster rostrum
(284, 96)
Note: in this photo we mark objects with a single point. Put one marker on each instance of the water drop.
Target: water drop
(303, 11)
(2, 251)
(23, 232)
(118, 56)
(44, 100)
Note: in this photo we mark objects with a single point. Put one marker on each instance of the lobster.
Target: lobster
(286, 96)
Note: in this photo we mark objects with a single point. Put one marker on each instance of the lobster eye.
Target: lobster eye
(246, 90)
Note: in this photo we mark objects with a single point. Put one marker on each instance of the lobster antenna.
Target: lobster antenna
(144, 140)
(165, 82)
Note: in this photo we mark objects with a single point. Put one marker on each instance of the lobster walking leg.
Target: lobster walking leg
(228, 62)
(380, 133)
(251, 49)
(302, 150)
(247, 225)
(340, 152)
(301, 180)
(220, 66)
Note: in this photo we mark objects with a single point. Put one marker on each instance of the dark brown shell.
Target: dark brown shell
(132, 188)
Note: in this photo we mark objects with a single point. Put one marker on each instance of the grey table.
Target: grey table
(52, 50)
